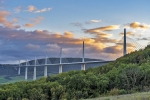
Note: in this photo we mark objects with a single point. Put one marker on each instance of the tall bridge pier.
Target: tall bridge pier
(45, 67)
(124, 43)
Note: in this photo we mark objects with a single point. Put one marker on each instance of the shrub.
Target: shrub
(114, 92)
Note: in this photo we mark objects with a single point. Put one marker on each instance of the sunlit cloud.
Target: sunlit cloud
(27, 44)
(137, 25)
(130, 34)
(31, 8)
(33, 21)
(105, 28)
(127, 44)
(99, 34)
(5, 22)
(28, 25)
(68, 34)
(42, 41)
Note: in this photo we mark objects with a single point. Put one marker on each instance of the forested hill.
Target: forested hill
(127, 74)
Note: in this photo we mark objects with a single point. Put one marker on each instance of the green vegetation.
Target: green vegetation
(128, 74)
(10, 79)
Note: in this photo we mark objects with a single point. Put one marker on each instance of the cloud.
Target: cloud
(68, 34)
(3, 14)
(77, 24)
(28, 25)
(42, 10)
(20, 44)
(33, 21)
(32, 46)
(128, 44)
(137, 25)
(95, 21)
(100, 35)
(113, 49)
(17, 26)
(5, 22)
(144, 38)
(52, 48)
(129, 34)
(36, 20)
(105, 28)
(17, 9)
(33, 9)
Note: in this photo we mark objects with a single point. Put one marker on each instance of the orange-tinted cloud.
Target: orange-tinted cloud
(33, 21)
(31, 8)
(68, 34)
(28, 25)
(136, 25)
(38, 42)
(106, 28)
(130, 34)
(100, 35)
(5, 22)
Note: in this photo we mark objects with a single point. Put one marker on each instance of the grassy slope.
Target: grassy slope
(135, 96)
(3, 80)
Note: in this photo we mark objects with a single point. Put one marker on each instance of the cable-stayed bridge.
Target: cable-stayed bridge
(83, 63)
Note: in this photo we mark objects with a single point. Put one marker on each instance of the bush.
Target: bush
(122, 91)
(114, 92)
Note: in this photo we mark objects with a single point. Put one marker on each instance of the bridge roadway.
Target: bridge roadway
(72, 63)
(83, 65)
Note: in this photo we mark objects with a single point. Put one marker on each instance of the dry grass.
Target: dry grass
(135, 96)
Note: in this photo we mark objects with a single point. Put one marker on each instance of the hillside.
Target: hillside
(127, 74)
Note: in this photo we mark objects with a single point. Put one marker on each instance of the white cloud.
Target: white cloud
(42, 10)
(32, 46)
(17, 9)
(33, 9)
(95, 21)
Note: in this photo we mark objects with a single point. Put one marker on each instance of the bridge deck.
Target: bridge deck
(69, 63)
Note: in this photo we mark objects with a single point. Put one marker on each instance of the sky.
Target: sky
(30, 28)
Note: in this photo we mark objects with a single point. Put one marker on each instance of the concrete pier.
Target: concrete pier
(60, 68)
(19, 70)
(34, 73)
(83, 67)
(45, 71)
(26, 73)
